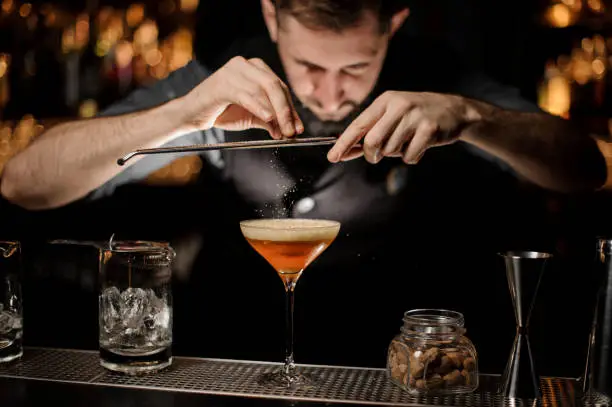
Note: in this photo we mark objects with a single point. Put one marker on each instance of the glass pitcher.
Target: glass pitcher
(11, 313)
(135, 306)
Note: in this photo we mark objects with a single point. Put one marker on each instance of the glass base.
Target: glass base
(11, 358)
(282, 380)
(136, 365)
(10, 350)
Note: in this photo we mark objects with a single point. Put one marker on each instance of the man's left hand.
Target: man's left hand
(404, 124)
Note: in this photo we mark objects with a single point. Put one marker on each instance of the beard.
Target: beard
(315, 127)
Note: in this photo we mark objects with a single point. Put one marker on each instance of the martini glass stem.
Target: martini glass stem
(289, 297)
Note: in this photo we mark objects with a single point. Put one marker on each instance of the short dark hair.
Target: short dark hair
(338, 15)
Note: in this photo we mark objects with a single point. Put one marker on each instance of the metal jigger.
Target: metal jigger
(524, 272)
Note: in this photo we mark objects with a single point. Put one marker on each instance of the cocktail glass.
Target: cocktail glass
(289, 245)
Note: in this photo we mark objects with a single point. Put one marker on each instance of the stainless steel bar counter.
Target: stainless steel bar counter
(74, 378)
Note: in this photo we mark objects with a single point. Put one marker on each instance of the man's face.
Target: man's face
(332, 73)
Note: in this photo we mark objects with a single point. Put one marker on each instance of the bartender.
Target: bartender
(422, 178)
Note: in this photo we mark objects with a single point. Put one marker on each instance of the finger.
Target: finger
(252, 121)
(242, 90)
(402, 134)
(423, 137)
(260, 108)
(274, 89)
(248, 92)
(356, 131)
(374, 141)
(353, 153)
(271, 128)
(298, 124)
(236, 117)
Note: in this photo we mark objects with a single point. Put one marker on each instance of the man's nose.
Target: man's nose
(329, 93)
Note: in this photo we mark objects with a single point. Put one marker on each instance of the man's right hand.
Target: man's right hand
(243, 94)
(73, 159)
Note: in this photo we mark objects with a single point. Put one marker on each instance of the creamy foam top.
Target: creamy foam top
(290, 230)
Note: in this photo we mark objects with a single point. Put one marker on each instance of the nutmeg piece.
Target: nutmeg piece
(469, 364)
(397, 369)
(392, 363)
(446, 365)
(431, 355)
(397, 373)
(417, 368)
(457, 358)
(467, 376)
(401, 354)
(454, 378)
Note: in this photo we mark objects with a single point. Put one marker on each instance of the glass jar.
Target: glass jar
(431, 355)
(11, 317)
(135, 307)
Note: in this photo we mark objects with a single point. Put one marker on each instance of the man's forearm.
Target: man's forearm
(546, 150)
(72, 159)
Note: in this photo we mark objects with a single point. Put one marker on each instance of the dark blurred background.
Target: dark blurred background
(61, 60)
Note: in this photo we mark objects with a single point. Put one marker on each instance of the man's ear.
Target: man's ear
(397, 20)
(269, 14)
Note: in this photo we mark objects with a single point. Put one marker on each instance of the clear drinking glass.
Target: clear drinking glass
(135, 306)
(11, 316)
(289, 245)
